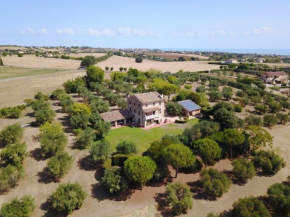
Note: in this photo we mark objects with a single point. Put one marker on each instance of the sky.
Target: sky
(163, 24)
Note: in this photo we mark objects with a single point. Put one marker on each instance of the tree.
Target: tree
(9, 176)
(179, 197)
(243, 170)
(59, 164)
(232, 137)
(261, 108)
(139, 169)
(214, 183)
(107, 68)
(268, 161)
(227, 92)
(258, 137)
(199, 98)
(203, 80)
(225, 118)
(86, 137)
(95, 74)
(270, 120)
(11, 134)
(68, 197)
(139, 60)
(169, 89)
(52, 139)
(283, 118)
(200, 89)
(126, 147)
(279, 198)
(100, 152)
(215, 95)
(174, 109)
(253, 120)
(113, 181)
(209, 150)
(1, 62)
(121, 69)
(14, 154)
(181, 59)
(214, 84)
(102, 128)
(112, 68)
(178, 156)
(275, 106)
(22, 207)
(44, 115)
(250, 206)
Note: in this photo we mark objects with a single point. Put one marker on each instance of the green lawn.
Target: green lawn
(142, 138)
(13, 72)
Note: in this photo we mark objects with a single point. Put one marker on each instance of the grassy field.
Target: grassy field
(13, 72)
(142, 138)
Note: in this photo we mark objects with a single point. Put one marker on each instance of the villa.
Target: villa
(275, 77)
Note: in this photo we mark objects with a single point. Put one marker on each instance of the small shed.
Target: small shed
(189, 107)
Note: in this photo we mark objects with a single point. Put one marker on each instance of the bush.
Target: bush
(200, 89)
(59, 164)
(85, 138)
(174, 109)
(127, 148)
(113, 181)
(11, 134)
(275, 106)
(243, 170)
(100, 152)
(68, 197)
(254, 120)
(56, 93)
(214, 183)
(14, 153)
(279, 198)
(95, 74)
(15, 112)
(238, 108)
(283, 118)
(261, 108)
(139, 60)
(188, 86)
(22, 207)
(119, 159)
(9, 177)
(268, 161)
(178, 197)
(44, 115)
(52, 139)
(250, 206)
(270, 120)
(41, 96)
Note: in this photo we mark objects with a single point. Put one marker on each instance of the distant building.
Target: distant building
(147, 108)
(230, 61)
(189, 107)
(275, 77)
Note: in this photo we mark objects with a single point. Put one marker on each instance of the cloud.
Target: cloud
(139, 32)
(30, 31)
(65, 31)
(259, 31)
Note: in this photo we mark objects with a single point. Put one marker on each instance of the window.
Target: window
(159, 103)
(154, 113)
(154, 104)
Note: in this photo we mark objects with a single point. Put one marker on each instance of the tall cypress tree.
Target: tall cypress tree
(1, 62)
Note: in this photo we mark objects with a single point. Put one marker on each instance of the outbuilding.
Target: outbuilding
(118, 117)
(190, 108)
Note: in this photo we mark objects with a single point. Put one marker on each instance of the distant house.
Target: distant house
(147, 108)
(275, 77)
(259, 60)
(190, 108)
(230, 61)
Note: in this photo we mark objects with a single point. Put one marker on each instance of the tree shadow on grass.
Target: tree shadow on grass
(162, 206)
(50, 212)
(45, 176)
(86, 164)
(36, 154)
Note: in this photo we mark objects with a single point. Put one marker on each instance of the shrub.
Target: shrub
(188, 86)
(250, 206)
(279, 198)
(119, 159)
(59, 164)
(283, 118)
(14, 153)
(178, 197)
(254, 120)
(139, 60)
(200, 89)
(22, 207)
(56, 93)
(270, 120)
(238, 108)
(243, 170)
(52, 139)
(113, 181)
(15, 112)
(261, 108)
(268, 161)
(126, 148)
(68, 197)
(9, 177)
(214, 183)
(85, 138)
(275, 106)
(11, 134)
(44, 115)
(100, 152)
(215, 95)
(41, 96)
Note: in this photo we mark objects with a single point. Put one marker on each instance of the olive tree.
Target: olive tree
(14, 154)
(243, 169)
(268, 161)
(22, 207)
(209, 150)
(11, 134)
(113, 181)
(100, 152)
(279, 198)
(126, 147)
(59, 164)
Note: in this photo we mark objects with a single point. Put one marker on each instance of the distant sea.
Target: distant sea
(240, 51)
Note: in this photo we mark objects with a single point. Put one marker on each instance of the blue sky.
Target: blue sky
(186, 24)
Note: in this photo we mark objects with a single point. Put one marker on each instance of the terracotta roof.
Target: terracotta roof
(116, 115)
(152, 109)
(149, 97)
(275, 73)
